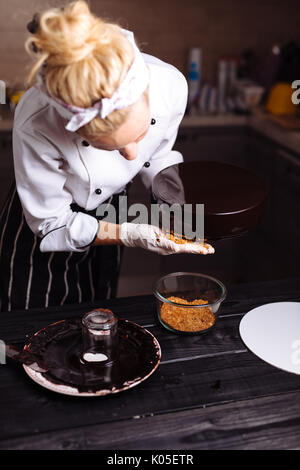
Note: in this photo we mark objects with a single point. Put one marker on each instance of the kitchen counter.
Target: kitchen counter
(258, 121)
(209, 391)
(263, 124)
(214, 120)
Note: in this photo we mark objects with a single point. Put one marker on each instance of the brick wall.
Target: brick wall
(166, 28)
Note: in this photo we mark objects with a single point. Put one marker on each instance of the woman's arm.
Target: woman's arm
(40, 179)
(107, 234)
(145, 236)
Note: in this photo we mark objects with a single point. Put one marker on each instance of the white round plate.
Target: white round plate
(272, 332)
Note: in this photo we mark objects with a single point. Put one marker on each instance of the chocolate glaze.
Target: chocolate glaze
(60, 346)
(24, 356)
(233, 197)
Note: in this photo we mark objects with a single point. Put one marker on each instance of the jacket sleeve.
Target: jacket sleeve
(167, 187)
(164, 156)
(40, 179)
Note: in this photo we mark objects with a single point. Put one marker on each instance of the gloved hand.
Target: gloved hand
(152, 238)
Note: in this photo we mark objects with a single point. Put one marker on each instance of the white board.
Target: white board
(272, 332)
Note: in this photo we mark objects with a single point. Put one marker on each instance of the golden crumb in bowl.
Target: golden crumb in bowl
(187, 319)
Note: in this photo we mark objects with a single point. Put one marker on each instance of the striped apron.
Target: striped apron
(32, 279)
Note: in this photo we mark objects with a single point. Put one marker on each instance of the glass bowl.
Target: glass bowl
(184, 318)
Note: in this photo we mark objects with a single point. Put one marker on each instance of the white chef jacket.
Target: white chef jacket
(53, 169)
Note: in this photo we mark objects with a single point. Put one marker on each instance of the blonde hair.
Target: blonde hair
(84, 58)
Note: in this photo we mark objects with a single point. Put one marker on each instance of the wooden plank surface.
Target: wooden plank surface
(262, 423)
(175, 386)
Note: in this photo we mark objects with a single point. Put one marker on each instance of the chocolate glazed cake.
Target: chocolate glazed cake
(233, 197)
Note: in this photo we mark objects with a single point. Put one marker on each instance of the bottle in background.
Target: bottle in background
(245, 63)
(265, 70)
(222, 83)
(232, 75)
(195, 60)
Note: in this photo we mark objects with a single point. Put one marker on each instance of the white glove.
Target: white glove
(153, 239)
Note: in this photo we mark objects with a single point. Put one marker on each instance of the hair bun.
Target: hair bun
(84, 56)
(65, 35)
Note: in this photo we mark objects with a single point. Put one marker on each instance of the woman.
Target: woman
(98, 112)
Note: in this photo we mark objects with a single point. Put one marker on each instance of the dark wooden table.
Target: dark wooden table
(209, 391)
